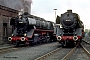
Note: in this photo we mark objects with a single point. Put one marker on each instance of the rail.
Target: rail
(88, 53)
(70, 53)
(48, 54)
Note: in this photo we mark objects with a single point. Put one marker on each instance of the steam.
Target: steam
(27, 6)
(21, 12)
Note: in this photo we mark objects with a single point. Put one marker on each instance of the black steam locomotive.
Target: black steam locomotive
(71, 28)
(30, 29)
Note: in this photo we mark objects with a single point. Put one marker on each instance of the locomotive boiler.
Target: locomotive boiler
(31, 29)
(71, 28)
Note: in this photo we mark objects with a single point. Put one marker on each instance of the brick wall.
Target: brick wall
(5, 28)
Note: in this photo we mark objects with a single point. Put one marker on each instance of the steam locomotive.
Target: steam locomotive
(70, 29)
(30, 29)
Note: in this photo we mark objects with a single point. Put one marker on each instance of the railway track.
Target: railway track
(87, 52)
(82, 53)
(86, 42)
(71, 52)
(4, 49)
(48, 54)
(67, 53)
(12, 48)
(30, 52)
(59, 53)
(86, 47)
(9, 49)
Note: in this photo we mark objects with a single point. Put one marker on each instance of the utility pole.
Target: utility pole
(55, 13)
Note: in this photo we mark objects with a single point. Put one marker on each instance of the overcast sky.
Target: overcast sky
(44, 9)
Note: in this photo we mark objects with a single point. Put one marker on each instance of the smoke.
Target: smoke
(17, 4)
(30, 1)
(27, 6)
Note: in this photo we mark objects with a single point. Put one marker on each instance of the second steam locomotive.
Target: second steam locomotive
(71, 28)
(31, 29)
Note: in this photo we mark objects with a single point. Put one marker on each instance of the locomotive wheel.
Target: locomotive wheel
(26, 43)
(30, 43)
(80, 40)
(71, 44)
(51, 40)
(17, 43)
(34, 41)
(48, 40)
(40, 42)
(64, 44)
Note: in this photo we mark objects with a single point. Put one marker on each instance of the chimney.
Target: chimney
(69, 11)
